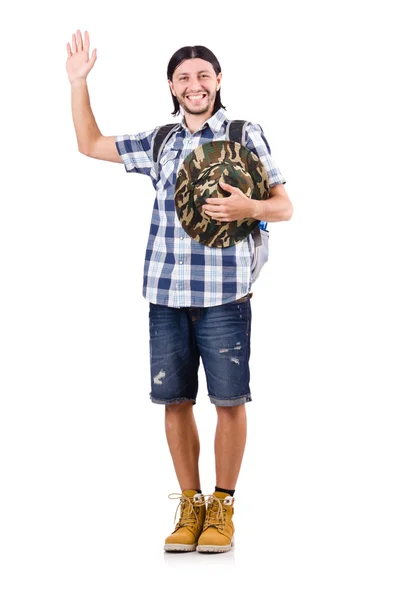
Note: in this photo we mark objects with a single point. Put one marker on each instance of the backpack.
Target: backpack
(235, 132)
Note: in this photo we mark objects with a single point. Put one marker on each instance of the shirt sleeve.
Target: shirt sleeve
(136, 151)
(257, 142)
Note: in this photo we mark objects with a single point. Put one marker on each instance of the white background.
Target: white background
(85, 469)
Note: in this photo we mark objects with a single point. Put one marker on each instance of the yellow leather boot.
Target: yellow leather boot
(191, 519)
(218, 529)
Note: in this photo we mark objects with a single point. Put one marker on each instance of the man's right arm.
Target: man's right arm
(78, 65)
(90, 140)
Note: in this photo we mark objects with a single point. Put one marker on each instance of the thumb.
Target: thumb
(93, 58)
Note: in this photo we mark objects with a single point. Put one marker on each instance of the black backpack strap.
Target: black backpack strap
(235, 131)
(161, 135)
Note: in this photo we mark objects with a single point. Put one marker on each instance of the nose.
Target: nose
(195, 84)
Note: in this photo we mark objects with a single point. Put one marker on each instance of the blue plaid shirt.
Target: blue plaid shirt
(178, 270)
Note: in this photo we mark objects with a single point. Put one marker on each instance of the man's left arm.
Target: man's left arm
(237, 206)
(276, 208)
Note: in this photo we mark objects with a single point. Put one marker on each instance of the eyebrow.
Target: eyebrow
(198, 72)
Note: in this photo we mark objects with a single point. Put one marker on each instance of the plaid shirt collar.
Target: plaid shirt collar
(215, 122)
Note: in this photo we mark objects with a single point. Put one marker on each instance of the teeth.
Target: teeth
(196, 97)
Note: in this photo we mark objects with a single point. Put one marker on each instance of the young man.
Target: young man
(199, 296)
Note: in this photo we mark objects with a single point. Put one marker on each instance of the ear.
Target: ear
(171, 87)
(218, 82)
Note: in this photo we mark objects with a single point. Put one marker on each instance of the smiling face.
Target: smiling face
(195, 84)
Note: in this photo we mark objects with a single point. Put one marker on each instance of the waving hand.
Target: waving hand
(78, 63)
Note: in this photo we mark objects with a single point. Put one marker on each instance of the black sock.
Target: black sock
(230, 492)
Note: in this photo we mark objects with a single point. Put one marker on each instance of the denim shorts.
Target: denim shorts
(219, 335)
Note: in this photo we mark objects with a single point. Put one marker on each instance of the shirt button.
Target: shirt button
(181, 237)
(181, 262)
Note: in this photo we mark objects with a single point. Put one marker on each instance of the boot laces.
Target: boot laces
(187, 507)
(215, 515)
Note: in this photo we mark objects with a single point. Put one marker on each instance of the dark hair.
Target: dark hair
(193, 52)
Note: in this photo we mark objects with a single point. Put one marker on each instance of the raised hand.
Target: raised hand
(78, 63)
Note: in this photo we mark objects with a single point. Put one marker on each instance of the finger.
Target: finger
(229, 188)
(215, 213)
(74, 49)
(69, 51)
(218, 201)
(87, 42)
(214, 209)
(79, 41)
(219, 218)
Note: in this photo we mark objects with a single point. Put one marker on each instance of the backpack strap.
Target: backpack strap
(257, 236)
(235, 131)
(160, 138)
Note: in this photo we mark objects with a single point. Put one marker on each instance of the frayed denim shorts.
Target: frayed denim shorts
(218, 335)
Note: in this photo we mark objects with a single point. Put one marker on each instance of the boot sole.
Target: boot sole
(180, 547)
(212, 549)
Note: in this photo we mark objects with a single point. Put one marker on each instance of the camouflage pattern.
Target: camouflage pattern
(198, 179)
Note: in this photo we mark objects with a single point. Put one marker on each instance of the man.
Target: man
(199, 296)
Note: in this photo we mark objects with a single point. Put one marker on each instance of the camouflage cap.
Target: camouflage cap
(199, 178)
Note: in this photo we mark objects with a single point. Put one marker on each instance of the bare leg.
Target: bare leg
(183, 442)
(230, 438)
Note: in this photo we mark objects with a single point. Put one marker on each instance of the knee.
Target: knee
(177, 415)
(180, 408)
(231, 412)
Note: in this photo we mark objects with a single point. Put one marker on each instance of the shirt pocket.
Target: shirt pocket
(168, 166)
(167, 156)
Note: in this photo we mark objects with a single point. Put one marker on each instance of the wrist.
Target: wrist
(79, 82)
(256, 210)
